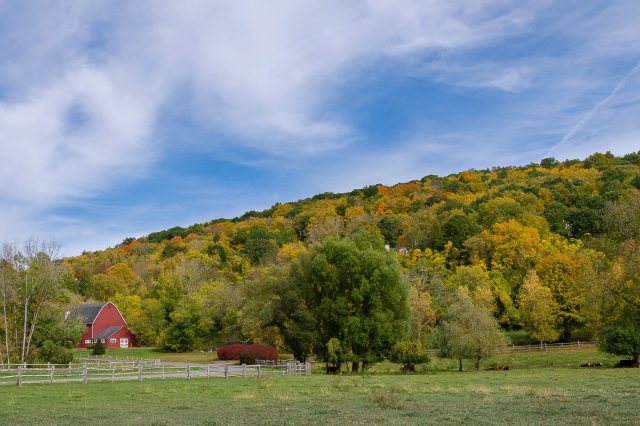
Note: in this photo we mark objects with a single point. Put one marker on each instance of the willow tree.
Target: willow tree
(350, 290)
(469, 331)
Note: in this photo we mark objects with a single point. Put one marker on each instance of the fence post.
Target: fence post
(113, 375)
(578, 344)
(258, 371)
(208, 371)
(244, 370)
(53, 369)
(226, 371)
(140, 367)
(85, 373)
(19, 378)
(188, 371)
(163, 371)
(513, 348)
(545, 346)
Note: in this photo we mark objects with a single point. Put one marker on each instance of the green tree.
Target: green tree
(457, 229)
(622, 220)
(623, 340)
(182, 332)
(391, 229)
(354, 291)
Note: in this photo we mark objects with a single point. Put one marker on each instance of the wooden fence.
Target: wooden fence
(122, 362)
(116, 371)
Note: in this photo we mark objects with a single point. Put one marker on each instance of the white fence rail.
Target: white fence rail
(112, 361)
(116, 371)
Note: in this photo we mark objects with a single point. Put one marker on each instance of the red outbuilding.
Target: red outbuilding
(104, 322)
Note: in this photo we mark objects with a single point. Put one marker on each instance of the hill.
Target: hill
(560, 226)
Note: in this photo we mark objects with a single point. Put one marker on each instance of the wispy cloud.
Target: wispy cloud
(594, 110)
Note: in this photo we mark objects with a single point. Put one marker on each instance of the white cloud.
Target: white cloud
(73, 137)
(263, 73)
(84, 83)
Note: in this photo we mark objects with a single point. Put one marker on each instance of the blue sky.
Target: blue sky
(122, 118)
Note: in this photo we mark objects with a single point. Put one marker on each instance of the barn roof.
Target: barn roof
(107, 332)
(87, 312)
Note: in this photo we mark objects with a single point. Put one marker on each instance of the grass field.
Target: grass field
(543, 388)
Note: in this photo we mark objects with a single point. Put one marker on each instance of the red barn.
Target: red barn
(104, 322)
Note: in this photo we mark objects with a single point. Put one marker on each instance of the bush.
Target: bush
(247, 354)
(99, 348)
(55, 354)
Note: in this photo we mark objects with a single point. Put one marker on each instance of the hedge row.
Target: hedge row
(247, 353)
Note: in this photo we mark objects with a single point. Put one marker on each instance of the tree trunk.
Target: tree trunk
(33, 327)
(6, 323)
(354, 366)
(477, 364)
(26, 317)
(459, 364)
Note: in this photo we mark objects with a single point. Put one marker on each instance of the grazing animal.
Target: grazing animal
(627, 363)
(589, 364)
(408, 368)
(333, 369)
(499, 368)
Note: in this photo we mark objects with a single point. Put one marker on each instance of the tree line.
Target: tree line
(550, 248)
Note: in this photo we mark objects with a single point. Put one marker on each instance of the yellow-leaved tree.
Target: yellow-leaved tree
(421, 313)
(538, 309)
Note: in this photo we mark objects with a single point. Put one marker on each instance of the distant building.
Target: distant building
(104, 322)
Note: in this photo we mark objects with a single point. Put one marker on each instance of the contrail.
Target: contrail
(578, 126)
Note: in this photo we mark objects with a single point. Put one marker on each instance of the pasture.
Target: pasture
(542, 388)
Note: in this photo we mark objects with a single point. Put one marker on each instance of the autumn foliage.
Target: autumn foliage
(550, 248)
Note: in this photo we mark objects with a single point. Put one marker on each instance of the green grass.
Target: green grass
(567, 358)
(543, 388)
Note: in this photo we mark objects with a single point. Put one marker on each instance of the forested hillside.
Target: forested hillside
(550, 248)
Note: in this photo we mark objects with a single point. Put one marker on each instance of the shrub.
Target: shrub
(247, 352)
(99, 348)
